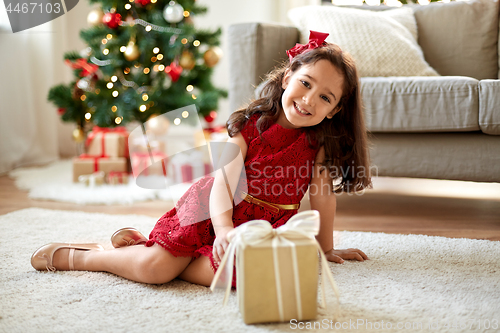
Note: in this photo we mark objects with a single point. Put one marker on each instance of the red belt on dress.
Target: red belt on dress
(268, 205)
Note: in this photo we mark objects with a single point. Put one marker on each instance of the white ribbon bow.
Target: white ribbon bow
(301, 225)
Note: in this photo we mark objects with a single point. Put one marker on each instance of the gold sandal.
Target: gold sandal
(43, 257)
(127, 237)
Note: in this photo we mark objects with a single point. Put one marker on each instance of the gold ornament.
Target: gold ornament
(157, 125)
(187, 60)
(95, 17)
(132, 52)
(212, 56)
(78, 135)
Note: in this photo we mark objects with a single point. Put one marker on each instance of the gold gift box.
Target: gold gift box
(256, 286)
(115, 144)
(87, 165)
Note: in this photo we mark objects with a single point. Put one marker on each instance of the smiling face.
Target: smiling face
(311, 94)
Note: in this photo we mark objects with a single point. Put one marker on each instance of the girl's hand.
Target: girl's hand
(221, 242)
(338, 256)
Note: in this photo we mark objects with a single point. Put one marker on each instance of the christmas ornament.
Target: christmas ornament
(86, 68)
(167, 83)
(211, 116)
(173, 12)
(212, 56)
(78, 135)
(86, 51)
(132, 52)
(157, 125)
(95, 17)
(143, 2)
(174, 71)
(61, 111)
(187, 60)
(112, 20)
(83, 84)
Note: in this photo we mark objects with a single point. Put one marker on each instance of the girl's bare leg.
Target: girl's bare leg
(143, 264)
(199, 272)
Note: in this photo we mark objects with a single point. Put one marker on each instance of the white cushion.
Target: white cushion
(383, 43)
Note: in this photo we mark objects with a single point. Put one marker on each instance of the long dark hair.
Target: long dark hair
(344, 136)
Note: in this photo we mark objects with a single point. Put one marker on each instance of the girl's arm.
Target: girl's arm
(325, 202)
(225, 182)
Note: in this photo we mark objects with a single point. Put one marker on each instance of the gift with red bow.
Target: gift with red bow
(88, 165)
(154, 163)
(117, 177)
(190, 165)
(107, 142)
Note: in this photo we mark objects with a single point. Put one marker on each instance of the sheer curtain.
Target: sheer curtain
(31, 63)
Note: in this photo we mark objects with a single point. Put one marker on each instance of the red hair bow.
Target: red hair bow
(316, 39)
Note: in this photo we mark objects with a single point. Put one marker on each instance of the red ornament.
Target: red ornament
(61, 111)
(211, 116)
(174, 71)
(143, 2)
(87, 69)
(112, 20)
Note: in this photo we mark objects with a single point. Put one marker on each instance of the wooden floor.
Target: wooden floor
(470, 210)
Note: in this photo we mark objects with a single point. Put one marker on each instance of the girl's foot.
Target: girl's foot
(59, 256)
(127, 237)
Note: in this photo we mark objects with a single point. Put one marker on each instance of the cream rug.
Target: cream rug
(54, 182)
(410, 281)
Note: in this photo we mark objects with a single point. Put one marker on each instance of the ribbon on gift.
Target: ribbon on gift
(301, 225)
(215, 129)
(97, 178)
(141, 162)
(118, 175)
(96, 160)
(96, 130)
(188, 166)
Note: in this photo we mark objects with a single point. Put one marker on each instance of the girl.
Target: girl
(305, 130)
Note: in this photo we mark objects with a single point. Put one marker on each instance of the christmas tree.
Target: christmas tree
(144, 58)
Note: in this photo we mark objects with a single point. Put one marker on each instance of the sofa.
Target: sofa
(442, 126)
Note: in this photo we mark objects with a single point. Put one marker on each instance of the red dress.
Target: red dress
(278, 169)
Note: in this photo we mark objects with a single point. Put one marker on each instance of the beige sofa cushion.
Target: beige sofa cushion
(460, 38)
(461, 156)
(489, 106)
(382, 43)
(421, 104)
